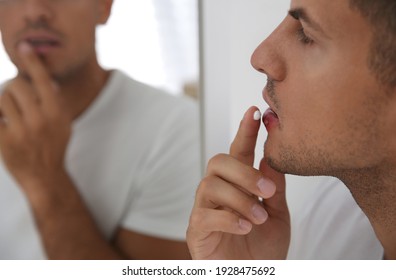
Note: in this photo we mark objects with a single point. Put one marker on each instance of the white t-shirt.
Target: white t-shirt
(333, 227)
(134, 156)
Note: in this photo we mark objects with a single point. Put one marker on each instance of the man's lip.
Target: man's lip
(267, 100)
(40, 36)
(270, 119)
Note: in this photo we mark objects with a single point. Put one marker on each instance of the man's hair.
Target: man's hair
(381, 14)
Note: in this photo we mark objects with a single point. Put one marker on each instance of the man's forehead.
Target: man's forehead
(320, 4)
(320, 10)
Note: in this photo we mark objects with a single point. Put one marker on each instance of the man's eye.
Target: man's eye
(302, 37)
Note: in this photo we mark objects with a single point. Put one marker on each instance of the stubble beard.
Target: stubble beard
(301, 161)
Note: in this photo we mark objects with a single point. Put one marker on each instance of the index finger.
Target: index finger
(39, 75)
(244, 144)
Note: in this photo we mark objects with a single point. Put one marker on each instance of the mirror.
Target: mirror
(155, 42)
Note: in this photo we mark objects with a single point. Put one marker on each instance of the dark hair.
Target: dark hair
(381, 14)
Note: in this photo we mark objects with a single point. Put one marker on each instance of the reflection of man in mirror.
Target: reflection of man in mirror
(331, 68)
(94, 165)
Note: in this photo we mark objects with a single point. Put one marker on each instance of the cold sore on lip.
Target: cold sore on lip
(270, 119)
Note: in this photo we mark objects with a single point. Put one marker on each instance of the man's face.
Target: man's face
(62, 32)
(332, 116)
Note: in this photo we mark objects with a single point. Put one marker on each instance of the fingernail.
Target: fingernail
(259, 213)
(266, 187)
(257, 115)
(244, 225)
(24, 48)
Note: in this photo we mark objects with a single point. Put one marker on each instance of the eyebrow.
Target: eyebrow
(302, 15)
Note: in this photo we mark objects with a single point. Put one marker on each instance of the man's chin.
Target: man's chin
(274, 165)
(291, 167)
(285, 160)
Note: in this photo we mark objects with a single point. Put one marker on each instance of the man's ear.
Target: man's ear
(104, 10)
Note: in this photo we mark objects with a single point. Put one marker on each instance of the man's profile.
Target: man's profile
(331, 91)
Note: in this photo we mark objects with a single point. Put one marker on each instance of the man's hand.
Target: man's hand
(34, 128)
(34, 133)
(228, 221)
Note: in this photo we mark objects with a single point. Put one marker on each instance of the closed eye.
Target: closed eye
(302, 37)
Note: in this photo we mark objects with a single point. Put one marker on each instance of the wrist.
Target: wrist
(45, 188)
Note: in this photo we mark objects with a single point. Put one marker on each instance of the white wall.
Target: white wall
(230, 31)
(7, 69)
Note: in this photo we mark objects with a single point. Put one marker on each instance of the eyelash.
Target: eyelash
(302, 37)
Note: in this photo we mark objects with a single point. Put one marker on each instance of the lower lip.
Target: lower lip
(270, 119)
(44, 49)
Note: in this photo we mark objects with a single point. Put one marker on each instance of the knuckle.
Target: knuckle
(195, 218)
(216, 160)
(237, 149)
(204, 187)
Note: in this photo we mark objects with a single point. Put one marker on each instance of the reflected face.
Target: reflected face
(62, 32)
(329, 113)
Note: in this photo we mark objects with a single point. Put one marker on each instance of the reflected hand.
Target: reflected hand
(34, 129)
(228, 221)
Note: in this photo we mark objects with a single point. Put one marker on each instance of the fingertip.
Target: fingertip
(24, 48)
(252, 113)
(267, 188)
(243, 146)
(245, 226)
(260, 214)
(25, 52)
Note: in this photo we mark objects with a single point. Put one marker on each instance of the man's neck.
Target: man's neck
(375, 192)
(81, 89)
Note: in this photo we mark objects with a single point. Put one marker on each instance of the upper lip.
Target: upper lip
(267, 99)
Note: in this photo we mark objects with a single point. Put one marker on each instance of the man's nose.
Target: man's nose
(269, 59)
(37, 10)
